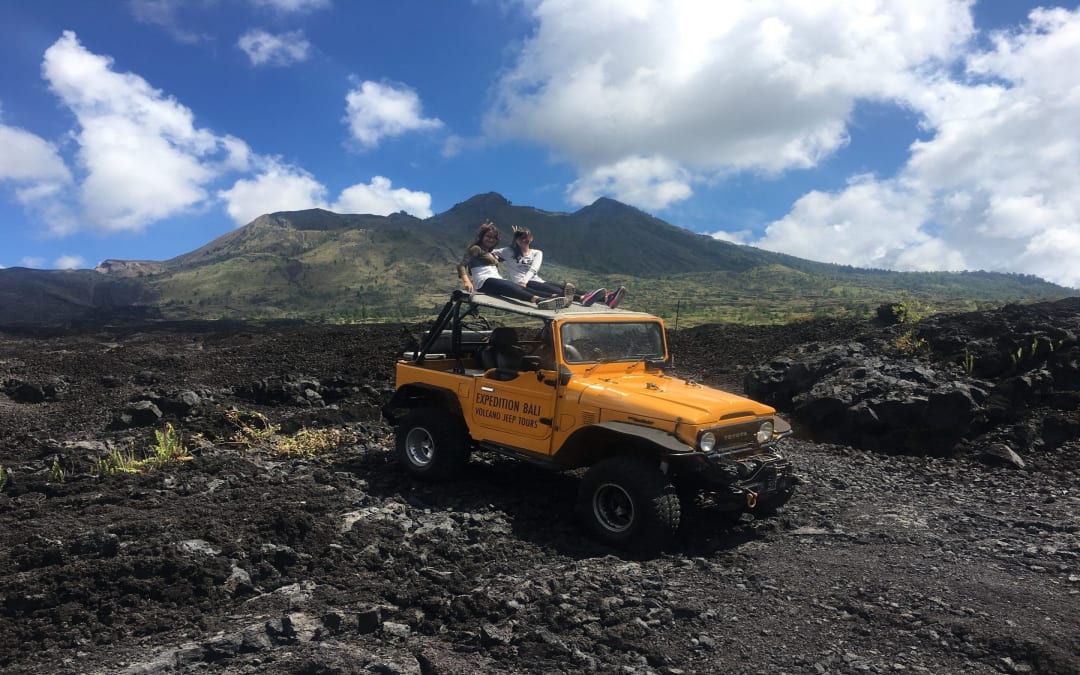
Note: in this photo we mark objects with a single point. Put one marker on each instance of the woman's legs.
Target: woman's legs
(507, 289)
(544, 288)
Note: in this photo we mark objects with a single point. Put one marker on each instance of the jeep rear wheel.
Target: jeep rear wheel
(431, 443)
(629, 503)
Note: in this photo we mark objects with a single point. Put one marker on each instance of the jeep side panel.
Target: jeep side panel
(516, 413)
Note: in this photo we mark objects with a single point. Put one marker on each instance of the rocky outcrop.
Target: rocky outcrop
(130, 268)
(947, 384)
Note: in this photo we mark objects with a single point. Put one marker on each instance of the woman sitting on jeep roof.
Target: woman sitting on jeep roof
(523, 267)
(479, 271)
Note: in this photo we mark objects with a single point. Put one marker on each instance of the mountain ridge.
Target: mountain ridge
(321, 265)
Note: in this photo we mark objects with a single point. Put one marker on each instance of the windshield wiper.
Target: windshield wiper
(598, 363)
(638, 358)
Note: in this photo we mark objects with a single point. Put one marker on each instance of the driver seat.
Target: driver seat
(502, 353)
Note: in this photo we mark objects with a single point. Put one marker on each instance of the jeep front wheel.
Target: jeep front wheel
(629, 503)
(431, 443)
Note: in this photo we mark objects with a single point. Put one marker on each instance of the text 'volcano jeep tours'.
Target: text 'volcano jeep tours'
(584, 387)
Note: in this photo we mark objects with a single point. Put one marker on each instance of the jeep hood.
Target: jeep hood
(662, 397)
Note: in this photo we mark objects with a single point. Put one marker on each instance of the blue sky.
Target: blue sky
(900, 134)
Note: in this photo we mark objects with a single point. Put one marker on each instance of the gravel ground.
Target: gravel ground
(244, 560)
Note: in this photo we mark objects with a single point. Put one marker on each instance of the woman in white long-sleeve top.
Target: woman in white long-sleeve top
(523, 267)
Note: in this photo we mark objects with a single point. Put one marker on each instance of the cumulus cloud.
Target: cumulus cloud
(995, 186)
(40, 177)
(375, 111)
(268, 49)
(278, 187)
(870, 222)
(379, 197)
(70, 262)
(736, 237)
(714, 87)
(142, 154)
(281, 187)
(28, 158)
(649, 100)
(649, 182)
(32, 261)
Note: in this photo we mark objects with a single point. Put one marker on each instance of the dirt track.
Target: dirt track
(244, 560)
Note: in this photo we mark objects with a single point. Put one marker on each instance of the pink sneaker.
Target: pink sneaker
(616, 296)
(589, 298)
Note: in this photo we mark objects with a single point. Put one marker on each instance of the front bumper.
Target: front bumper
(742, 482)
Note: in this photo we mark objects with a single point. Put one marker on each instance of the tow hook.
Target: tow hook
(751, 499)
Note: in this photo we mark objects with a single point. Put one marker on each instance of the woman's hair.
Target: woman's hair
(488, 226)
(521, 234)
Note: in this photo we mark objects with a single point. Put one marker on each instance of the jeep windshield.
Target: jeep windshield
(609, 342)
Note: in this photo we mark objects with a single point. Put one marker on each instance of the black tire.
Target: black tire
(431, 443)
(629, 503)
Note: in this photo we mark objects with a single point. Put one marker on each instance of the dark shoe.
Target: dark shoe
(589, 298)
(616, 296)
(548, 303)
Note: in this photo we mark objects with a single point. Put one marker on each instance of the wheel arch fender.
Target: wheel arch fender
(595, 442)
(417, 395)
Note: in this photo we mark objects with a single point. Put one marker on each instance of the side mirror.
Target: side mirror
(564, 375)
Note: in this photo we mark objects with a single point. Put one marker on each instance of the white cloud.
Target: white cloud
(32, 261)
(143, 156)
(714, 87)
(287, 6)
(737, 237)
(380, 198)
(27, 158)
(277, 188)
(164, 14)
(70, 262)
(375, 111)
(267, 49)
(647, 99)
(649, 182)
(40, 175)
(280, 187)
(869, 224)
(995, 186)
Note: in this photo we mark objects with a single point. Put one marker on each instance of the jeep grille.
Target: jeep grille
(736, 435)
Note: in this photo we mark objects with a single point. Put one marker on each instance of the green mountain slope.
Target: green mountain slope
(321, 265)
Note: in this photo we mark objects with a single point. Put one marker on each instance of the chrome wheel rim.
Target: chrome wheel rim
(419, 446)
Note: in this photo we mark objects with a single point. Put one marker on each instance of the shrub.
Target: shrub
(254, 430)
(168, 447)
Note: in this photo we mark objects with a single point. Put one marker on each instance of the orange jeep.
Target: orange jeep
(584, 387)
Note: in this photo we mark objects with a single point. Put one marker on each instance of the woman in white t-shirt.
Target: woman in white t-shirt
(523, 267)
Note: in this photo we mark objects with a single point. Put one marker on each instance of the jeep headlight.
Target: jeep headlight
(707, 441)
(765, 432)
